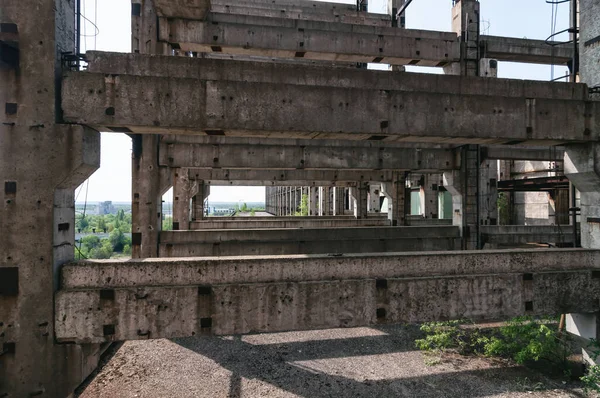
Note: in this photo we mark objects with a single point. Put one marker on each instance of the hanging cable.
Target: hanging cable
(84, 211)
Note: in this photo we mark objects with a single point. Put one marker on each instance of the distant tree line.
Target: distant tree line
(92, 246)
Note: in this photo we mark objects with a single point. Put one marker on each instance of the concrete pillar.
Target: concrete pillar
(41, 164)
(465, 23)
(453, 182)
(148, 179)
(397, 199)
(198, 200)
(327, 201)
(149, 183)
(531, 208)
(350, 203)
(582, 168)
(374, 202)
(184, 189)
(338, 201)
(430, 195)
(313, 201)
(359, 198)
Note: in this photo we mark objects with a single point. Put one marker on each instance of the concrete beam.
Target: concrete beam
(201, 243)
(270, 157)
(288, 222)
(551, 153)
(189, 9)
(253, 72)
(525, 50)
(522, 234)
(218, 107)
(285, 38)
(298, 11)
(174, 298)
(313, 178)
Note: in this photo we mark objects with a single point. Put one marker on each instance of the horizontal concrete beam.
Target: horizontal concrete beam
(299, 11)
(522, 234)
(299, 241)
(252, 72)
(294, 235)
(294, 178)
(288, 222)
(189, 9)
(277, 157)
(110, 301)
(550, 153)
(133, 103)
(285, 38)
(525, 50)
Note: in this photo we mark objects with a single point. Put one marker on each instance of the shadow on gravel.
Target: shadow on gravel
(277, 364)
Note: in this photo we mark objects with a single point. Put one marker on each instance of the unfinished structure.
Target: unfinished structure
(267, 93)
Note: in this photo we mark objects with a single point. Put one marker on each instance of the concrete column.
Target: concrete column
(374, 194)
(338, 201)
(430, 195)
(41, 164)
(395, 192)
(359, 198)
(184, 189)
(582, 168)
(531, 208)
(149, 183)
(465, 23)
(453, 182)
(488, 192)
(313, 201)
(327, 202)
(348, 196)
(198, 200)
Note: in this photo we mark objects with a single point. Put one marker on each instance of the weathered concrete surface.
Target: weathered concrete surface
(298, 11)
(258, 156)
(192, 9)
(152, 299)
(136, 103)
(260, 72)
(241, 242)
(98, 274)
(582, 168)
(289, 222)
(525, 50)
(519, 234)
(523, 153)
(589, 42)
(314, 178)
(41, 164)
(327, 41)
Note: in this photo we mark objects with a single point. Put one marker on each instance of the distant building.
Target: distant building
(106, 208)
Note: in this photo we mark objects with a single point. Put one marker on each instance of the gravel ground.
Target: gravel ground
(360, 362)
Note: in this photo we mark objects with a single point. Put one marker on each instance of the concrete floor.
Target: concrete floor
(360, 362)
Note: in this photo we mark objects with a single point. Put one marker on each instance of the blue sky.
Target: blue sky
(515, 18)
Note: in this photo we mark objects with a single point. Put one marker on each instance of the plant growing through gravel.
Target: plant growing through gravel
(522, 339)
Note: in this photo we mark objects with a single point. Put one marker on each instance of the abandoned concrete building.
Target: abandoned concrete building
(275, 93)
